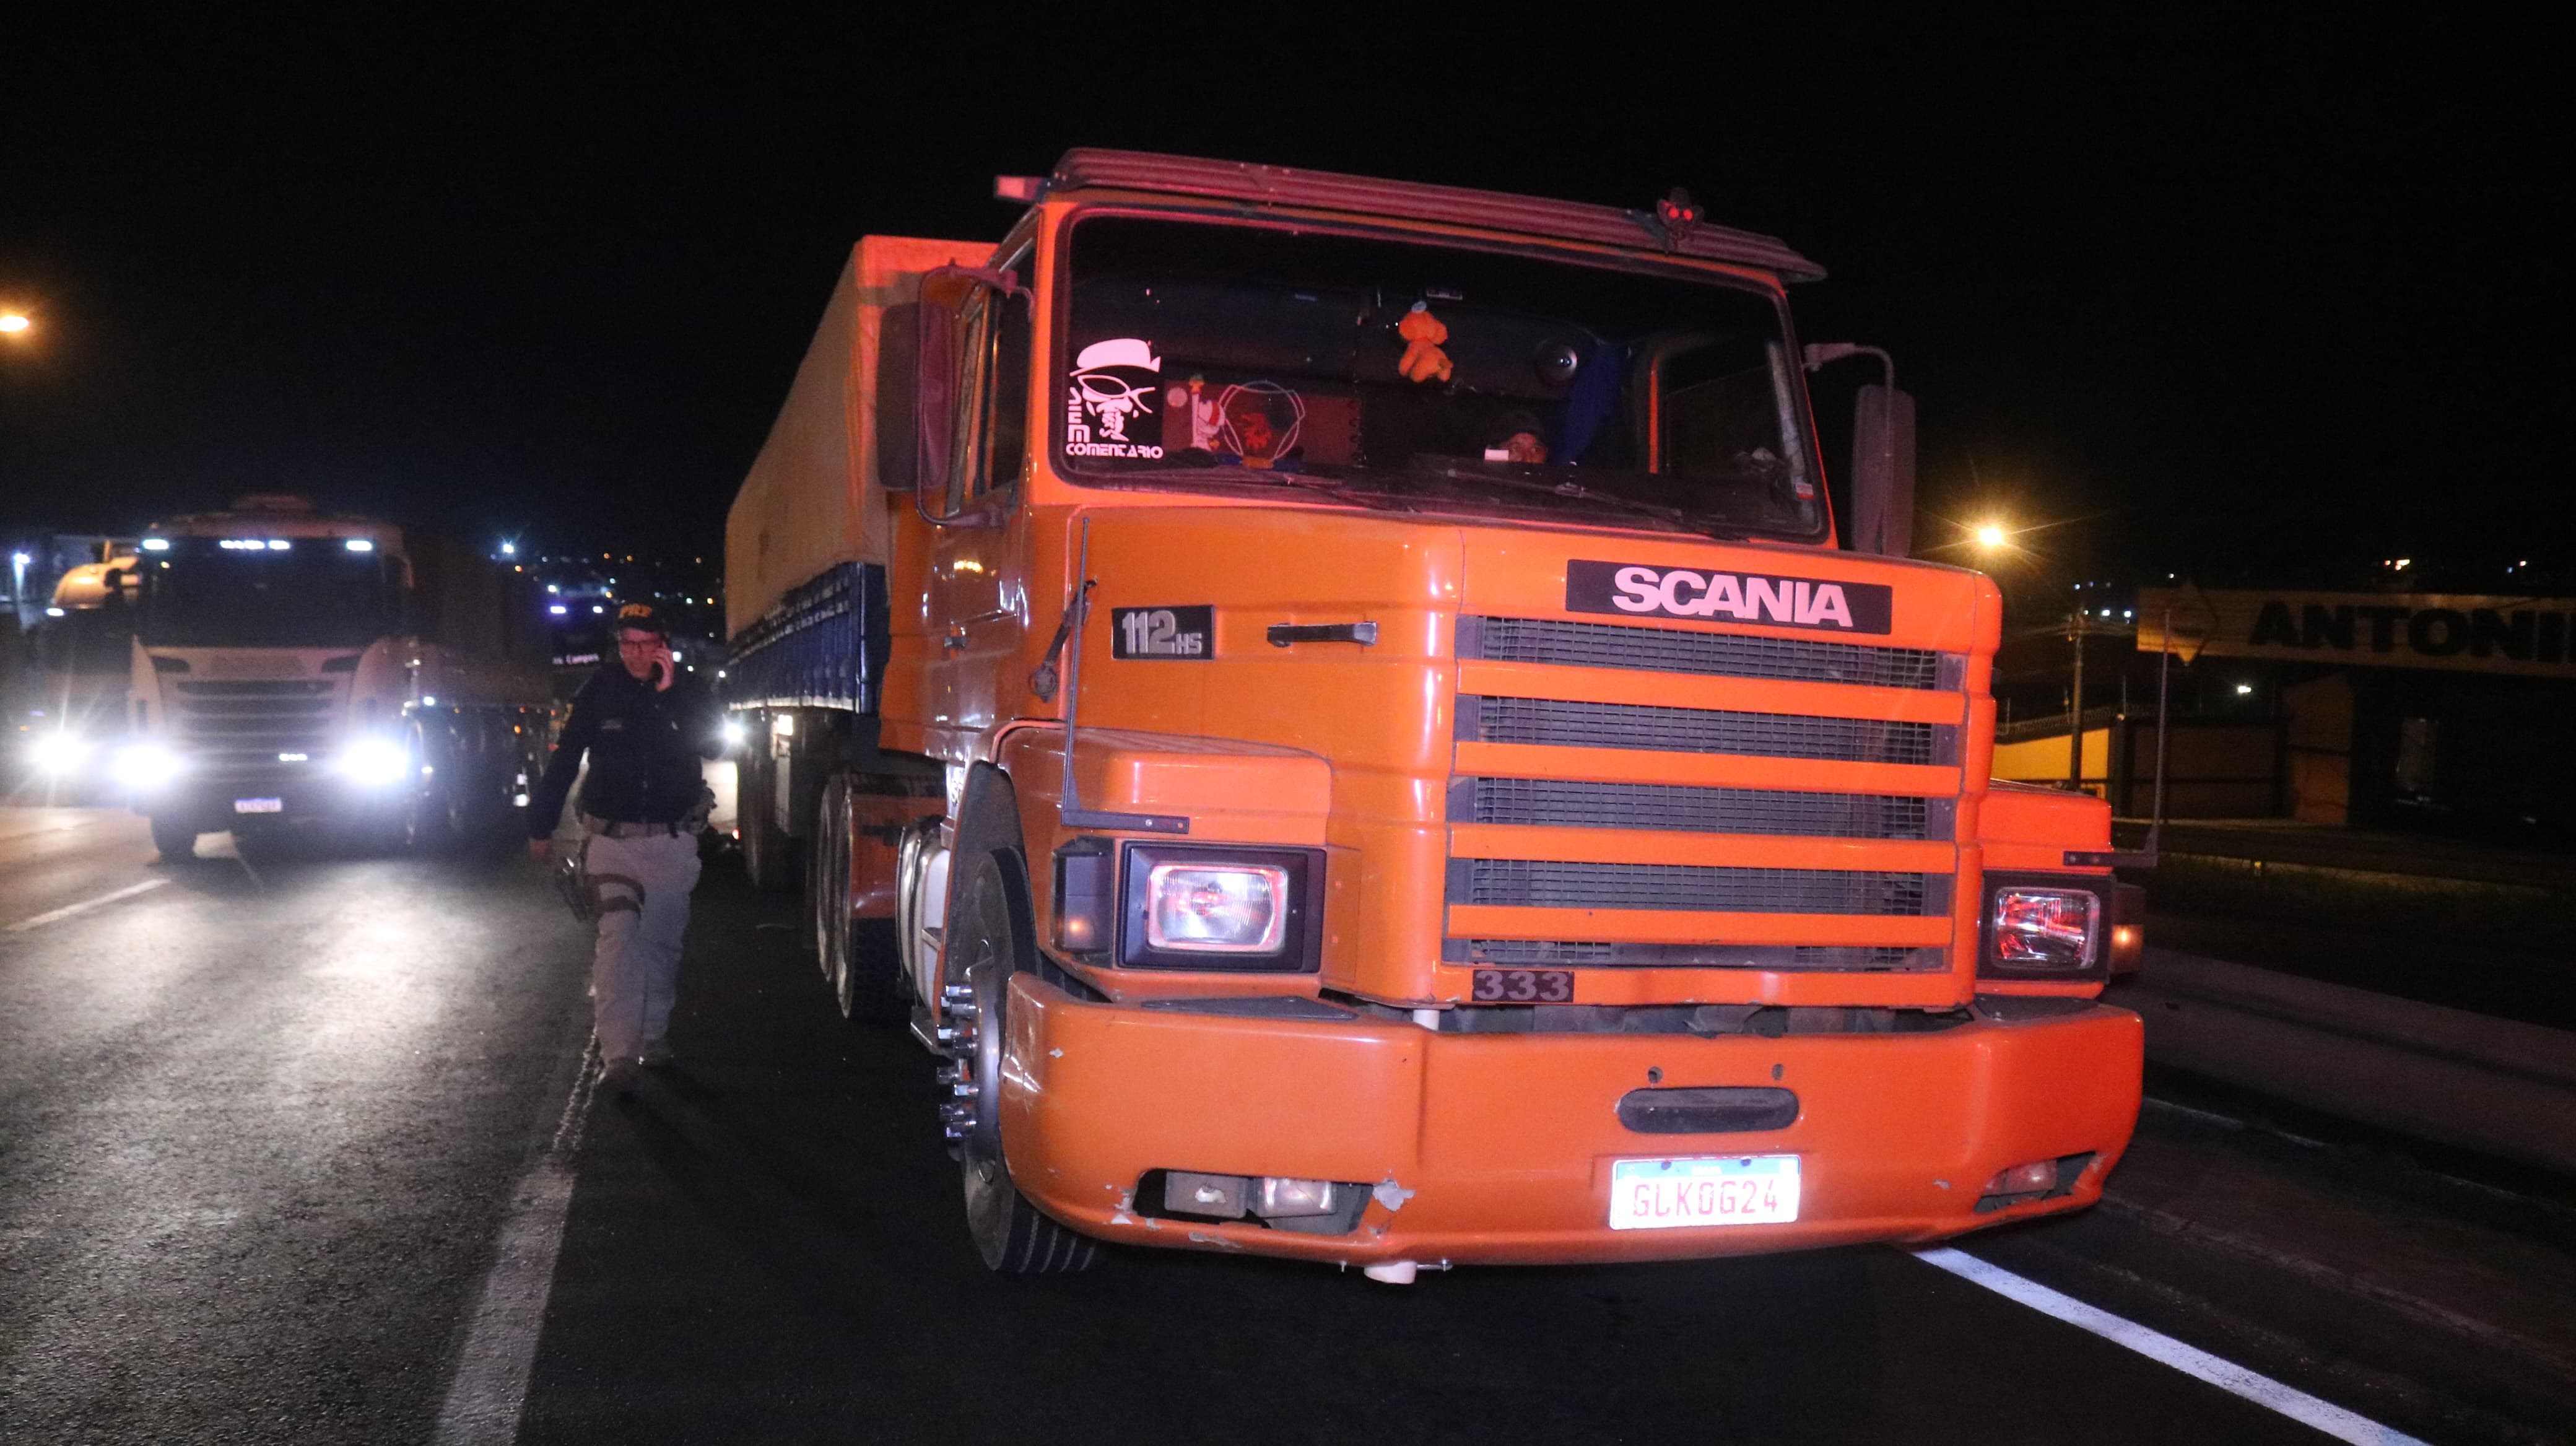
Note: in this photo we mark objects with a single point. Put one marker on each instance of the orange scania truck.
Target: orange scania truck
(1341, 711)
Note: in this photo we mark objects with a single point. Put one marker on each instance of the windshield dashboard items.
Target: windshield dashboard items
(1435, 378)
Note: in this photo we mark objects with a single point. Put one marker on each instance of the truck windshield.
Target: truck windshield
(1432, 378)
(311, 594)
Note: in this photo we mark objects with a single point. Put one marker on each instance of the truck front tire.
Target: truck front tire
(175, 838)
(987, 944)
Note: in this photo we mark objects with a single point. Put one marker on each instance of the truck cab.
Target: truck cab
(1363, 742)
(291, 666)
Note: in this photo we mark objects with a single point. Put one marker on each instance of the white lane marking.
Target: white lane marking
(490, 1388)
(2226, 1375)
(53, 916)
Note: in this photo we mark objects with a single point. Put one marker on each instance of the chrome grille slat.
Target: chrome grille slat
(1607, 645)
(1521, 883)
(1562, 803)
(1556, 723)
(1580, 954)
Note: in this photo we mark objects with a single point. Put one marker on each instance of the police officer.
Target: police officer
(645, 725)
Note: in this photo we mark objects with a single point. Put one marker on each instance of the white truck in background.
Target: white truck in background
(290, 666)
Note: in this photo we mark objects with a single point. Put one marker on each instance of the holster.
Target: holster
(584, 892)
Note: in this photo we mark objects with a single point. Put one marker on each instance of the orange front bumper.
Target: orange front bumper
(1505, 1141)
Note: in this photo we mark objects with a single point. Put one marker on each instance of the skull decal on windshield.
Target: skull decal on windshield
(1113, 385)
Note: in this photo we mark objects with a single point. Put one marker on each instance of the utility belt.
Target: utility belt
(611, 828)
(701, 809)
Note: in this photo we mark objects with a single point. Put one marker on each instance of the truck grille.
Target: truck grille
(1590, 791)
(1606, 645)
(1699, 730)
(1563, 803)
(1519, 883)
(234, 730)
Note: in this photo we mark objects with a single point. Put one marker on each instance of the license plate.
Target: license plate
(1736, 1190)
(259, 805)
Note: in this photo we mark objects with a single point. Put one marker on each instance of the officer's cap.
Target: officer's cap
(641, 618)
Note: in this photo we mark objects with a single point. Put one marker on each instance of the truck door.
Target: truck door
(978, 554)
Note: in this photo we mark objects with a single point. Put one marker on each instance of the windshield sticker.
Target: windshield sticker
(1680, 592)
(1257, 424)
(1112, 387)
(1166, 634)
(1190, 422)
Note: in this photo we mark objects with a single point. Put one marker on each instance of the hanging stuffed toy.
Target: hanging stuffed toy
(1423, 358)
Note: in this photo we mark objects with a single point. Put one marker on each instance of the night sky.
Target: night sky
(2228, 299)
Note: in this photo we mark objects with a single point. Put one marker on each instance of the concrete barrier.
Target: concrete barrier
(2447, 1075)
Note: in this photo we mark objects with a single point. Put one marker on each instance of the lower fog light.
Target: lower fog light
(2030, 1179)
(1187, 1193)
(1279, 1199)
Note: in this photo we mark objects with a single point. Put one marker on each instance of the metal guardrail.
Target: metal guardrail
(2463, 1079)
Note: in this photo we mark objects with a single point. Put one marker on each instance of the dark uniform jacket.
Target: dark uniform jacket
(644, 748)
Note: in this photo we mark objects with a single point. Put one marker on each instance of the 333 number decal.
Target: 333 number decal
(1523, 986)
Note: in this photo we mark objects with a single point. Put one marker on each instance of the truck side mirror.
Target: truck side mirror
(937, 375)
(1882, 490)
(935, 320)
(1883, 472)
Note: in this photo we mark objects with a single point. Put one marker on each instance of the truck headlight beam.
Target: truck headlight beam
(59, 752)
(145, 766)
(375, 763)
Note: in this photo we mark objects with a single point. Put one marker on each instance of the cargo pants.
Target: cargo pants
(642, 883)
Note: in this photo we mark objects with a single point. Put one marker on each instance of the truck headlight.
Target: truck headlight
(144, 766)
(375, 762)
(59, 752)
(1218, 908)
(2042, 931)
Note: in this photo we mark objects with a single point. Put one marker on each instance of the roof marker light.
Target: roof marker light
(156, 544)
(360, 544)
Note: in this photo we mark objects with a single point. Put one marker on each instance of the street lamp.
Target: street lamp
(13, 323)
(1992, 537)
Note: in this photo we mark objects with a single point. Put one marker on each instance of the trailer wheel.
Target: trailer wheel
(432, 820)
(857, 954)
(764, 848)
(984, 950)
(175, 838)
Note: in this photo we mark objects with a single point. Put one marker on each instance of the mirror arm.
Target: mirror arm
(1817, 354)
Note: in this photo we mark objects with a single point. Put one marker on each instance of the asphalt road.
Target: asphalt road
(291, 1148)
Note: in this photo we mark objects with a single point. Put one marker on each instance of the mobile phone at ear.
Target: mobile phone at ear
(661, 672)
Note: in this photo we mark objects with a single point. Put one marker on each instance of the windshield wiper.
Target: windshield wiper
(1576, 491)
(1239, 476)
